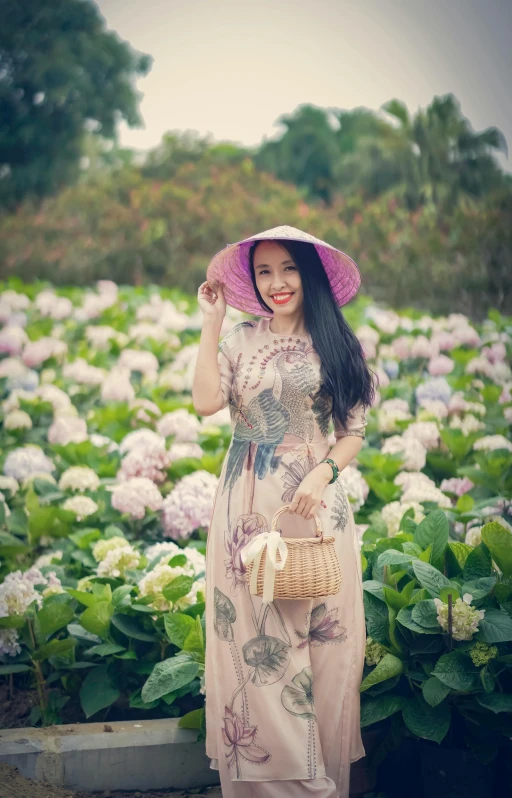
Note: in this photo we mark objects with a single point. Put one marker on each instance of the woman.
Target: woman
(282, 677)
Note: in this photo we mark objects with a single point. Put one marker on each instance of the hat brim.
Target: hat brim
(230, 267)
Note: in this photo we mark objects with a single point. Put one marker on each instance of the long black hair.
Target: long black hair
(346, 377)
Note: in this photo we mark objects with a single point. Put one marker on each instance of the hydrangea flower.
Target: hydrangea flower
(373, 651)
(136, 360)
(355, 486)
(189, 505)
(180, 450)
(180, 423)
(481, 654)
(79, 478)
(474, 536)
(149, 460)
(141, 437)
(47, 559)
(82, 506)
(119, 560)
(25, 461)
(391, 411)
(491, 442)
(467, 423)
(17, 419)
(102, 547)
(426, 432)
(147, 411)
(67, 429)
(434, 388)
(82, 372)
(457, 485)
(135, 495)
(54, 586)
(154, 582)
(412, 450)
(55, 396)
(393, 512)
(12, 340)
(10, 484)
(465, 618)
(117, 386)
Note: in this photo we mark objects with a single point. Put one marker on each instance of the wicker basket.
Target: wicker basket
(312, 569)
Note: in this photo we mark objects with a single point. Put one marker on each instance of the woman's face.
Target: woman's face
(278, 279)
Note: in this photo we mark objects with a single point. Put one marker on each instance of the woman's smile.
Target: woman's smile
(283, 298)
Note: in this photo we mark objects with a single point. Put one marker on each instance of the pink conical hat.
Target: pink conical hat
(230, 266)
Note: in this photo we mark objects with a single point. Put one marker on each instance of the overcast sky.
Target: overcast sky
(232, 67)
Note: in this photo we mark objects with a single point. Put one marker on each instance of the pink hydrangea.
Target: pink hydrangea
(423, 347)
(12, 340)
(439, 365)
(180, 450)
(135, 360)
(117, 387)
(67, 429)
(457, 485)
(189, 506)
(135, 496)
(180, 423)
(36, 352)
(150, 460)
(82, 372)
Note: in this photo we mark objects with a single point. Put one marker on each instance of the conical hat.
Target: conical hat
(230, 266)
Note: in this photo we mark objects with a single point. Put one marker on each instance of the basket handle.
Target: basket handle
(286, 509)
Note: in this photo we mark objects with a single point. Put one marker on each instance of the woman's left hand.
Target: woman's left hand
(310, 491)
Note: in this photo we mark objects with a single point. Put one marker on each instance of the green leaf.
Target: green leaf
(495, 627)
(178, 561)
(53, 617)
(388, 667)
(12, 622)
(374, 587)
(498, 539)
(449, 591)
(105, 649)
(375, 709)
(194, 642)
(396, 600)
(192, 720)
(456, 670)
(430, 578)
(434, 691)
(478, 563)
(433, 530)
(479, 588)
(465, 503)
(460, 551)
(96, 619)
(425, 721)
(496, 702)
(404, 617)
(169, 675)
(10, 545)
(54, 648)
(97, 691)
(177, 627)
(6, 669)
(393, 557)
(87, 599)
(178, 588)
(121, 597)
(131, 627)
(377, 619)
(424, 613)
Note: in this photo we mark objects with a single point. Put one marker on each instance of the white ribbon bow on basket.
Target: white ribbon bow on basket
(273, 543)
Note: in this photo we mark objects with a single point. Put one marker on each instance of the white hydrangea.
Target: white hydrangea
(355, 486)
(9, 483)
(79, 478)
(421, 492)
(465, 618)
(426, 432)
(117, 386)
(54, 586)
(17, 591)
(82, 506)
(393, 512)
(25, 461)
(59, 399)
(413, 452)
(189, 505)
(47, 559)
(102, 547)
(165, 549)
(474, 536)
(67, 429)
(391, 411)
(9, 643)
(14, 399)
(491, 442)
(18, 419)
(119, 560)
(431, 407)
(180, 423)
(467, 423)
(155, 580)
(141, 437)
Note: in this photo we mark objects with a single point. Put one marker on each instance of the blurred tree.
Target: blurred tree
(177, 148)
(61, 74)
(307, 154)
(452, 159)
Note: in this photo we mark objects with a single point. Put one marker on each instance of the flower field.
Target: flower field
(107, 485)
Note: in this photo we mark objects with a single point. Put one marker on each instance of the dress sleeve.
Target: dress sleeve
(226, 372)
(356, 423)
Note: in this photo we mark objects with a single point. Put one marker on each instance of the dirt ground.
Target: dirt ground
(12, 785)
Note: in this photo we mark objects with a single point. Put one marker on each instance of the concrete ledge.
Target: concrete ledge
(142, 755)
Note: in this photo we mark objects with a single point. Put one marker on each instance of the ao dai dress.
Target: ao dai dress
(282, 678)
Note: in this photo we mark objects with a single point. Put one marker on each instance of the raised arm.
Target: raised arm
(212, 377)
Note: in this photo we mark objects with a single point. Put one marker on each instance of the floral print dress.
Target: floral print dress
(282, 677)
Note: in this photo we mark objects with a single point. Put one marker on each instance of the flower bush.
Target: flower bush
(107, 484)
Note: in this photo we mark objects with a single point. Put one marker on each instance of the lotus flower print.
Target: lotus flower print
(239, 740)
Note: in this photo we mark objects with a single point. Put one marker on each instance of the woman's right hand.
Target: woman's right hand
(211, 301)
